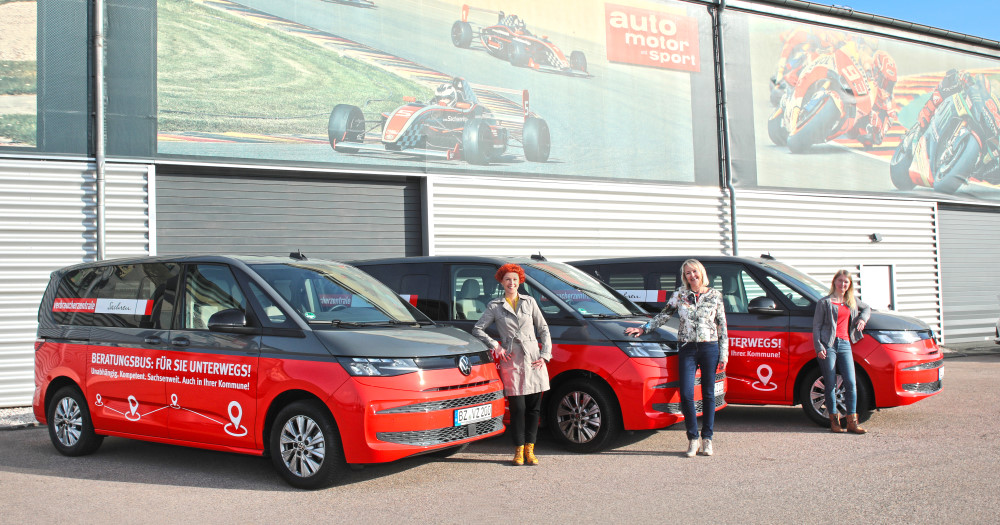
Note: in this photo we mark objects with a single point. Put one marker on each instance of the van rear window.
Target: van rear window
(123, 296)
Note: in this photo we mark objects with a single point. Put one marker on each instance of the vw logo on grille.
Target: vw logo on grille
(464, 366)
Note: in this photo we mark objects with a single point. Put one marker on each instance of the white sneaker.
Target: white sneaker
(706, 447)
(692, 448)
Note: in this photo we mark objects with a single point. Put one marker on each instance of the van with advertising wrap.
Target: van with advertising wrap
(311, 362)
(602, 381)
(769, 311)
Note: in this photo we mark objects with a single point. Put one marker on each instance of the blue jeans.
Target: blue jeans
(690, 357)
(839, 359)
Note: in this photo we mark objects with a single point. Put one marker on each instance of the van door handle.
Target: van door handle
(180, 341)
(153, 340)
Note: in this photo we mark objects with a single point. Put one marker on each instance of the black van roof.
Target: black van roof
(208, 258)
(448, 259)
(679, 258)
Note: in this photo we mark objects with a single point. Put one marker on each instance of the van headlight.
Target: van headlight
(900, 336)
(643, 349)
(377, 366)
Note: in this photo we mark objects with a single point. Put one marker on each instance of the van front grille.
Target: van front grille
(444, 404)
(438, 436)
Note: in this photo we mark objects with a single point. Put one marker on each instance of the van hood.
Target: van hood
(426, 341)
(892, 321)
(614, 330)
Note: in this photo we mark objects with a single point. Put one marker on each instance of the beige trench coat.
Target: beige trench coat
(520, 333)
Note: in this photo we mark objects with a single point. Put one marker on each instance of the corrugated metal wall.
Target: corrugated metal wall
(821, 234)
(577, 219)
(970, 272)
(47, 221)
(278, 212)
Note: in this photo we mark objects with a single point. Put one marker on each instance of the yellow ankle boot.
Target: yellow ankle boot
(529, 454)
(518, 456)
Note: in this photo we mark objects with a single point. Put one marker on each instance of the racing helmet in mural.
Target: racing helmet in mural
(884, 70)
(445, 94)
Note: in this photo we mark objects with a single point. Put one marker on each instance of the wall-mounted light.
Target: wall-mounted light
(875, 237)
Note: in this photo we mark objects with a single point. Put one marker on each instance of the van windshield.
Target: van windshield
(812, 288)
(582, 292)
(329, 293)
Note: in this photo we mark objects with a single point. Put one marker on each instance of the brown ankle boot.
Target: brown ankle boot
(518, 456)
(835, 424)
(529, 454)
(853, 426)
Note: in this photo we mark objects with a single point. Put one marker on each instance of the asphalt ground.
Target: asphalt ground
(925, 463)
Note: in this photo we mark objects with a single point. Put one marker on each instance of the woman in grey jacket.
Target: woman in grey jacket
(520, 358)
(838, 323)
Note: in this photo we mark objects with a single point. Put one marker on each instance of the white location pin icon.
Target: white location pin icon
(764, 374)
(133, 404)
(98, 401)
(173, 400)
(237, 416)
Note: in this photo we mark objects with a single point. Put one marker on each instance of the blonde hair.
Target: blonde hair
(696, 264)
(849, 294)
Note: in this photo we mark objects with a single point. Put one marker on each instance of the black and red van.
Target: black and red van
(769, 311)
(312, 362)
(601, 380)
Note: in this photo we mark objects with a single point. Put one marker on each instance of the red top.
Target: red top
(843, 319)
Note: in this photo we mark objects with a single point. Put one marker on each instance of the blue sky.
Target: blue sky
(973, 17)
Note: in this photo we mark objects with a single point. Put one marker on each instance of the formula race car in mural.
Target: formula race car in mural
(840, 92)
(510, 40)
(955, 138)
(453, 125)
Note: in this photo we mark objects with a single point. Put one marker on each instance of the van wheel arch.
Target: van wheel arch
(280, 402)
(56, 385)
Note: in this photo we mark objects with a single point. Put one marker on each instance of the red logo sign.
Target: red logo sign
(652, 38)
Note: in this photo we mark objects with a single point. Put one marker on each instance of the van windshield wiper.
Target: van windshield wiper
(338, 323)
(610, 316)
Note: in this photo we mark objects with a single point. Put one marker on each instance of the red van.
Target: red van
(769, 311)
(601, 380)
(311, 362)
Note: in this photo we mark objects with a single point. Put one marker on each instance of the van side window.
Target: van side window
(272, 312)
(209, 288)
(738, 287)
(795, 297)
(121, 296)
(626, 281)
(472, 286)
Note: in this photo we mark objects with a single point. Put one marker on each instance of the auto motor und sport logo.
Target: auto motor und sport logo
(652, 38)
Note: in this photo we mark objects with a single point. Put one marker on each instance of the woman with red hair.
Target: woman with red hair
(521, 353)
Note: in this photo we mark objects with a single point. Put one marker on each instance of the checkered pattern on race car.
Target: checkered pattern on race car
(410, 138)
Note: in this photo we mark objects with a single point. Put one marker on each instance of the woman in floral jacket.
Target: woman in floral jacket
(703, 343)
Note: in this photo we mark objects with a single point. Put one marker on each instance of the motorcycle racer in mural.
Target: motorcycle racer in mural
(453, 125)
(955, 137)
(798, 48)
(840, 93)
(510, 40)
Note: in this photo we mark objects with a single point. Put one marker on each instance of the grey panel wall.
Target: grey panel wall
(277, 214)
(970, 272)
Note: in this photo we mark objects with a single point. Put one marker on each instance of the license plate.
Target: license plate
(940, 373)
(465, 416)
(720, 388)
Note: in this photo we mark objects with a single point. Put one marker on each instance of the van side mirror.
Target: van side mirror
(764, 306)
(231, 321)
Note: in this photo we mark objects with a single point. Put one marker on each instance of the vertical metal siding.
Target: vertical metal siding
(566, 220)
(47, 221)
(970, 272)
(822, 234)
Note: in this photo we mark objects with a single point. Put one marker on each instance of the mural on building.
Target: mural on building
(18, 72)
(838, 110)
(582, 88)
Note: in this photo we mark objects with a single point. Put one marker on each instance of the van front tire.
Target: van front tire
(70, 427)
(583, 416)
(305, 446)
(812, 394)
